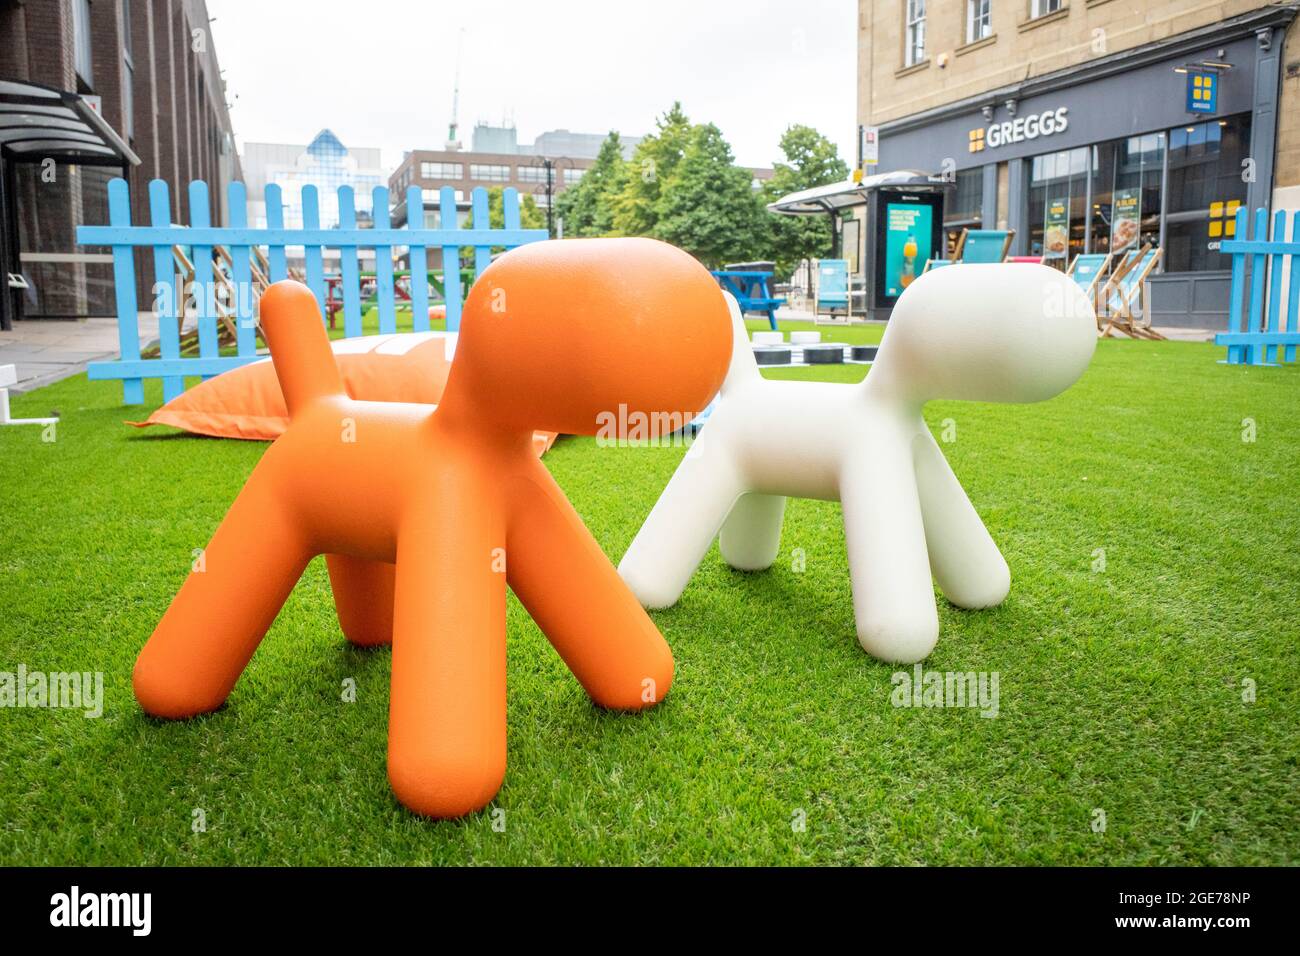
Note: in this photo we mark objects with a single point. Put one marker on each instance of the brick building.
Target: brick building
(1089, 125)
(149, 69)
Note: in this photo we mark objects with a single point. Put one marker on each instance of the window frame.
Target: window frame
(979, 12)
(914, 15)
(441, 169)
(1042, 8)
(499, 172)
(83, 56)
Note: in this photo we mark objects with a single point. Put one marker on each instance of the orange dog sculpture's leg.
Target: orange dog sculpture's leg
(447, 715)
(560, 574)
(232, 596)
(363, 597)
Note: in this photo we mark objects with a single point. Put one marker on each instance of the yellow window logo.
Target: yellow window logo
(976, 140)
(1223, 218)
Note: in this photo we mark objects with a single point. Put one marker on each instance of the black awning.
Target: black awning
(39, 122)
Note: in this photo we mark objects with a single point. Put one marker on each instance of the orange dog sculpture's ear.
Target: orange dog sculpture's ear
(558, 334)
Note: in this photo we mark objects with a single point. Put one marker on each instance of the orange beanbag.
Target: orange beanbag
(246, 402)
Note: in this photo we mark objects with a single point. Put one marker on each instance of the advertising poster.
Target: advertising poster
(1125, 218)
(907, 244)
(1056, 229)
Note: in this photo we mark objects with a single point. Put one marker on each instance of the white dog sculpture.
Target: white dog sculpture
(992, 333)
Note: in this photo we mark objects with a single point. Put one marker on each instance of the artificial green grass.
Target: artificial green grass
(1121, 690)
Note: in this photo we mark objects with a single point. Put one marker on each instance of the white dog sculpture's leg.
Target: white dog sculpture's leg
(683, 523)
(893, 597)
(967, 565)
(751, 536)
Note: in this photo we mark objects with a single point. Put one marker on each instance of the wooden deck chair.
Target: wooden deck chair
(189, 341)
(985, 245)
(977, 245)
(1124, 290)
(1087, 271)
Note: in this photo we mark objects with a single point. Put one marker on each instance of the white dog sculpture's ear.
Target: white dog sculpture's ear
(1013, 332)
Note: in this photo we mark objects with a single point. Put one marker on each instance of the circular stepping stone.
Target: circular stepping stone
(827, 354)
(768, 355)
(805, 338)
(768, 338)
(865, 353)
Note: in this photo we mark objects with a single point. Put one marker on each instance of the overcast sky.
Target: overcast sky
(380, 72)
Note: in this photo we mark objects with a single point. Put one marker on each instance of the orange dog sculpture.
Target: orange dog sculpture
(554, 334)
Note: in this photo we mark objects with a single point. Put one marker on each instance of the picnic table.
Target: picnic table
(751, 289)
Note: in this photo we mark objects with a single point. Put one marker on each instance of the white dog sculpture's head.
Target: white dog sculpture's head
(1013, 332)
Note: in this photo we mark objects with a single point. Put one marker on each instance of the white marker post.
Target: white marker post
(9, 376)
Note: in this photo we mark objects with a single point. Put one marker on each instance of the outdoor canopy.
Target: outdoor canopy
(39, 123)
(830, 198)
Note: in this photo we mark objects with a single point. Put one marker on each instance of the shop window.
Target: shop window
(1058, 198)
(965, 207)
(1126, 193)
(1205, 192)
(914, 32)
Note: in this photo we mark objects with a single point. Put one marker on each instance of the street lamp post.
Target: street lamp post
(547, 187)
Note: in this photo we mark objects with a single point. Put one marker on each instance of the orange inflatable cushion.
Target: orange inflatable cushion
(247, 403)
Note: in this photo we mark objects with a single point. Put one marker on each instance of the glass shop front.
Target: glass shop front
(1105, 161)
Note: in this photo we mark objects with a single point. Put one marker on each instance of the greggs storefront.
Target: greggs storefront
(1158, 145)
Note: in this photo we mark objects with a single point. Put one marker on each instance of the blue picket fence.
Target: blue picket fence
(200, 237)
(1254, 338)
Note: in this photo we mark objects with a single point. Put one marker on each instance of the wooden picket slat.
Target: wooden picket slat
(419, 260)
(128, 329)
(447, 217)
(314, 255)
(350, 270)
(167, 289)
(243, 269)
(1236, 304)
(241, 275)
(510, 207)
(384, 266)
(1275, 283)
(1293, 286)
(275, 220)
(479, 207)
(1258, 267)
(205, 306)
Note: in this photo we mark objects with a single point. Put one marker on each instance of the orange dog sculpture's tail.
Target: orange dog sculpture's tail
(300, 349)
(426, 514)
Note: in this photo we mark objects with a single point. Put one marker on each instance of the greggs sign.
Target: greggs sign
(1022, 128)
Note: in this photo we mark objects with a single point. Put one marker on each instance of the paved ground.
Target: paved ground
(44, 351)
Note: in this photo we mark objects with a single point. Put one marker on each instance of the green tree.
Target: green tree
(530, 214)
(588, 208)
(636, 206)
(707, 206)
(810, 160)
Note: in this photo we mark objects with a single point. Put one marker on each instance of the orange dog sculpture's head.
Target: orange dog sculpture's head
(555, 334)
